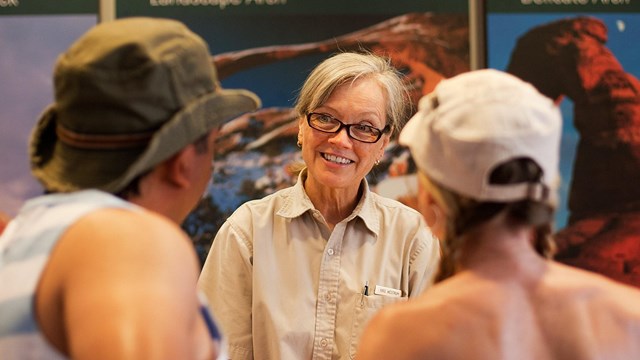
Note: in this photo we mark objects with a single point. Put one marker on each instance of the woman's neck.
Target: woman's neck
(335, 205)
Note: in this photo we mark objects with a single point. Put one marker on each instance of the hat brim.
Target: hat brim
(63, 168)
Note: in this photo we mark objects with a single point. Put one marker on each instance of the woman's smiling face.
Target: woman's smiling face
(336, 160)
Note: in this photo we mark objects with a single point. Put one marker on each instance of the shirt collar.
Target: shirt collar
(298, 202)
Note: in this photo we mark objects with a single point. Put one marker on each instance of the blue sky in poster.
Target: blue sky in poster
(277, 83)
(503, 30)
(29, 46)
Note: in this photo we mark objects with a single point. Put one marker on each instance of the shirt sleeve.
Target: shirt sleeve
(226, 280)
(424, 261)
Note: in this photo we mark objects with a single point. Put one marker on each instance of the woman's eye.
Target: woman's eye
(363, 128)
(324, 118)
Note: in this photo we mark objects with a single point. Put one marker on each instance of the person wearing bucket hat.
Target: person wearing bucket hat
(98, 267)
(486, 145)
(297, 274)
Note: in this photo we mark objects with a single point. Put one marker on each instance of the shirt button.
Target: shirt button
(324, 342)
(330, 251)
(328, 296)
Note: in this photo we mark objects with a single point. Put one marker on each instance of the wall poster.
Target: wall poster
(583, 54)
(269, 47)
(32, 34)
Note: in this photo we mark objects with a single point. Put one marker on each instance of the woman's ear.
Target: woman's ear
(301, 120)
(385, 143)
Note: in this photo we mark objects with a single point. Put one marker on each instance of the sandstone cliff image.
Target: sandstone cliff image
(569, 57)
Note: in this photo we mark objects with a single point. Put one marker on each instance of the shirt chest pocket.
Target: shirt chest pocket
(366, 307)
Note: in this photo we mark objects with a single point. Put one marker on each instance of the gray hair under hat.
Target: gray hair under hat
(129, 94)
(474, 122)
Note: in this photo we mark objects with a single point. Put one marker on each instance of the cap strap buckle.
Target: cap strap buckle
(537, 191)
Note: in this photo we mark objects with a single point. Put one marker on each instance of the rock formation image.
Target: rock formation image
(570, 58)
(256, 151)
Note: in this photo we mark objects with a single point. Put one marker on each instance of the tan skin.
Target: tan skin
(427, 205)
(507, 302)
(333, 187)
(121, 284)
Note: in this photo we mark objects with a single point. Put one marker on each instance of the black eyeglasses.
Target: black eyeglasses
(329, 124)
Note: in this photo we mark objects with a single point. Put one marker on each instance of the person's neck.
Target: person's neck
(500, 252)
(335, 205)
(153, 196)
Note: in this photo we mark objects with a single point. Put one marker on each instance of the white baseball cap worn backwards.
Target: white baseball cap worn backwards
(476, 121)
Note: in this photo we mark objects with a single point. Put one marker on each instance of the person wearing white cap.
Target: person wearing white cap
(486, 145)
(98, 268)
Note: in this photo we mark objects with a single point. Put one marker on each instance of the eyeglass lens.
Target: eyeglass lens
(329, 124)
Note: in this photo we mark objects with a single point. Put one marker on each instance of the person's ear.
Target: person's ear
(385, 142)
(423, 199)
(431, 211)
(180, 167)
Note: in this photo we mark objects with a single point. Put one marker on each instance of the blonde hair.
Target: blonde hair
(464, 213)
(348, 67)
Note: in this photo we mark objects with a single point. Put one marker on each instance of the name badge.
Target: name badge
(385, 291)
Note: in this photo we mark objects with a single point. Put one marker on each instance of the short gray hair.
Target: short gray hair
(348, 67)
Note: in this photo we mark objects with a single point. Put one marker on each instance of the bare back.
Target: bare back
(565, 314)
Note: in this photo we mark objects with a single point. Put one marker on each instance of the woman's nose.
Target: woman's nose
(341, 138)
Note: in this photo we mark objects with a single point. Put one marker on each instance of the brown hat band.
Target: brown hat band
(102, 141)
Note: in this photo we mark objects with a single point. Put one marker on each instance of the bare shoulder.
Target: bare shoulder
(127, 226)
(580, 285)
(418, 328)
(131, 239)
(391, 334)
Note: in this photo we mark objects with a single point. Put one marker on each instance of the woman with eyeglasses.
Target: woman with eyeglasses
(298, 274)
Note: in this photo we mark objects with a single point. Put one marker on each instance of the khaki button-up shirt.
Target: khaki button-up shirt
(283, 286)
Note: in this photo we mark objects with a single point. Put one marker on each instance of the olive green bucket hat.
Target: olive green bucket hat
(129, 94)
